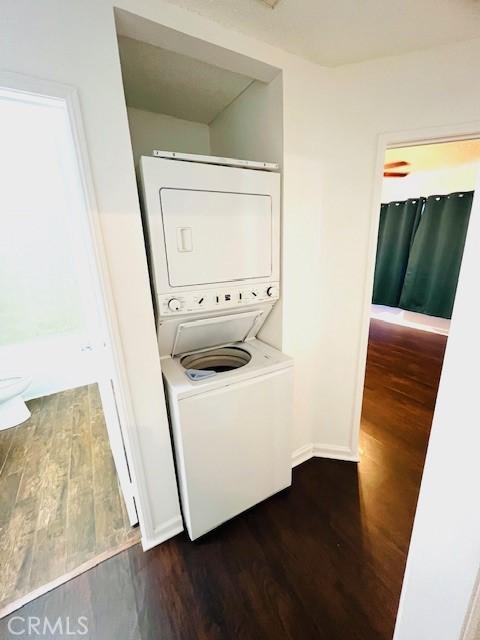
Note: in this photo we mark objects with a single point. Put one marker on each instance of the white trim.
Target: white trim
(66, 577)
(386, 140)
(226, 162)
(410, 319)
(302, 454)
(318, 450)
(163, 532)
(335, 452)
(69, 95)
(121, 391)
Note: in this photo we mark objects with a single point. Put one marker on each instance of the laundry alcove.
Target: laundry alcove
(182, 103)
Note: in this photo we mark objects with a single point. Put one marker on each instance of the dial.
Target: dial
(174, 304)
(272, 292)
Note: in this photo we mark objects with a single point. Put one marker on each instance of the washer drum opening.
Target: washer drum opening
(218, 360)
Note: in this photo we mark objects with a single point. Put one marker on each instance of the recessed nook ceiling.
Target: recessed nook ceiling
(343, 31)
(166, 82)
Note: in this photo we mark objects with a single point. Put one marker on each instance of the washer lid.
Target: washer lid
(217, 331)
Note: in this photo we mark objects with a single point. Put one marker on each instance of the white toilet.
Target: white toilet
(13, 410)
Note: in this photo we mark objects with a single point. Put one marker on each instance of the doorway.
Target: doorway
(66, 493)
(426, 200)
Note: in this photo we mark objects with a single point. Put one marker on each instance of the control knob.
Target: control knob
(174, 304)
(272, 292)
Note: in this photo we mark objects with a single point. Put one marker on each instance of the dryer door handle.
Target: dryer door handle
(184, 239)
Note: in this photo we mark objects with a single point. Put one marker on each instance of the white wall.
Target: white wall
(423, 89)
(251, 128)
(76, 43)
(150, 131)
(444, 554)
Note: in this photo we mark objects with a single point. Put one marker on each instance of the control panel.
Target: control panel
(212, 299)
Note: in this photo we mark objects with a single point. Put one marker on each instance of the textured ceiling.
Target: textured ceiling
(166, 82)
(334, 32)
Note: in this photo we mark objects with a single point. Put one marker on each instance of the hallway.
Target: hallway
(403, 373)
(322, 560)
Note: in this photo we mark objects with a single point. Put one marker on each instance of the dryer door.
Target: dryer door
(215, 236)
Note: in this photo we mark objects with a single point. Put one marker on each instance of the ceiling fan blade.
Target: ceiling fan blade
(395, 165)
(395, 174)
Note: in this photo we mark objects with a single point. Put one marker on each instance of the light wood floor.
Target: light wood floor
(60, 503)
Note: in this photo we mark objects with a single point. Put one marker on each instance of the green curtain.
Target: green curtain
(398, 224)
(436, 255)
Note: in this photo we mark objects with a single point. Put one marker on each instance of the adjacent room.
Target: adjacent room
(427, 193)
(61, 502)
(416, 275)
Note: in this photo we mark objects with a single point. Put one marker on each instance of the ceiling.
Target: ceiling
(335, 32)
(436, 156)
(166, 82)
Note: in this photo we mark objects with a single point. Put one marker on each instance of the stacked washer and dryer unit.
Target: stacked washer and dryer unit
(213, 233)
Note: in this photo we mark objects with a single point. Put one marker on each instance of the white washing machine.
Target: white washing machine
(214, 235)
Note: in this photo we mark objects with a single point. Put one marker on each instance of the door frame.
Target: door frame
(391, 140)
(114, 389)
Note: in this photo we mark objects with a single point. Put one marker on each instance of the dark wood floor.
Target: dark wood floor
(322, 560)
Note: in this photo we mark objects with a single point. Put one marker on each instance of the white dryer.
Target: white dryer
(213, 233)
(214, 242)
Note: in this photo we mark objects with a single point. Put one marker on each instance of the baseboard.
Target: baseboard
(302, 454)
(317, 450)
(335, 452)
(163, 532)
